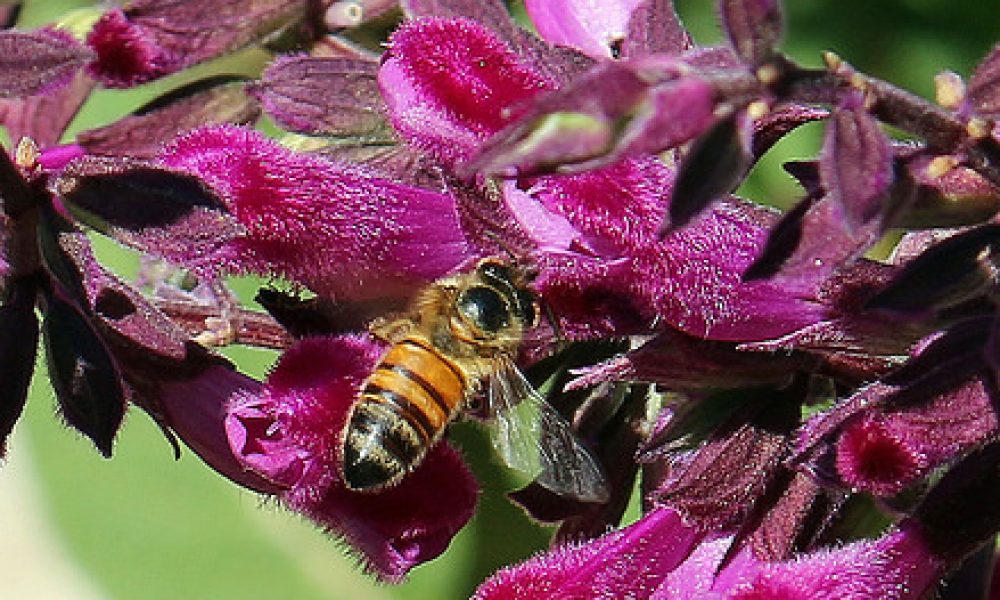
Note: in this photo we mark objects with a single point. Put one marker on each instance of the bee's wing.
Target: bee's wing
(532, 437)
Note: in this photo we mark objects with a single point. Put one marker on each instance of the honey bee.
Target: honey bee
(460, 339)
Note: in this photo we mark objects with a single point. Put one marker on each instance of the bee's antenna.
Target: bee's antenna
(550, 316)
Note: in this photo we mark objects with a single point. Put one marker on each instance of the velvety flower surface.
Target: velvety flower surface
(623, 564)
(601, 257)
(897, 566)
(660, 558)
(449, 84)
(290, 433)
(149, 39)
(597, 29)
(790, 380)
(334, 227)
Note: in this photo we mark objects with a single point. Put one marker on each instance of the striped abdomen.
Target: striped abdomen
(404, 407)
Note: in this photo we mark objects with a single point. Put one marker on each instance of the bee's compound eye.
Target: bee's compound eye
(484, 307)
(493, 271)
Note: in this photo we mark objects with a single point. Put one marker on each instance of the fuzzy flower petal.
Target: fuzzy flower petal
(624, 564)
(897, 566)
(595, 28)
(617, 269)
(333, 227)
(150, 39)
(887, 450)
(291, 431)
(450, 84)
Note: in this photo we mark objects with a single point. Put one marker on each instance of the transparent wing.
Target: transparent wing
(532, 437)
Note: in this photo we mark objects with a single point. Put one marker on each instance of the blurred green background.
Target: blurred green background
(75, 526)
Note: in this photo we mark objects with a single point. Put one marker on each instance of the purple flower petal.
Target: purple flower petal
(45, 118)
(614, 275)
(984, 87)
(897, 566)
(856, 165)
(150, 39)
(887, 449)
(622, 564)
(753, 27)
(333, 227)
(324, 96)
(194, 406)
(38, 62)
(596, 29)
(450, 84)
(290, 433)
(655, 28)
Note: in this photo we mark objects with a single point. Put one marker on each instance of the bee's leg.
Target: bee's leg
(390, 329)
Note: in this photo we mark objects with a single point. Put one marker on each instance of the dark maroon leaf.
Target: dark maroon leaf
(324, 96)
(676, 360)
(654, 28)
(983, 91)
(141, 135)
(713, 167)
(806, 173)
(950, 358)
(44, 118)
(954, 271)
(753, 27)
(720, 482)
(132, 195)
(58, 264)
(959, 197)
(18, 346)
(973, 578)
(782, 242)
(795, 517)
(321, 316)
(9, 15)
(85, 378)
(152, 38)
(35, 62)
(15, 194)
(856, 165)
(962, 511)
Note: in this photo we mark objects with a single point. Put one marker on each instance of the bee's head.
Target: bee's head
(496, 304)
(511, 284)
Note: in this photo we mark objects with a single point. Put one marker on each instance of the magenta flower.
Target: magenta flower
(767, 384)
(596, 30)
(151, 39)
(659, 557)
(290, 432)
